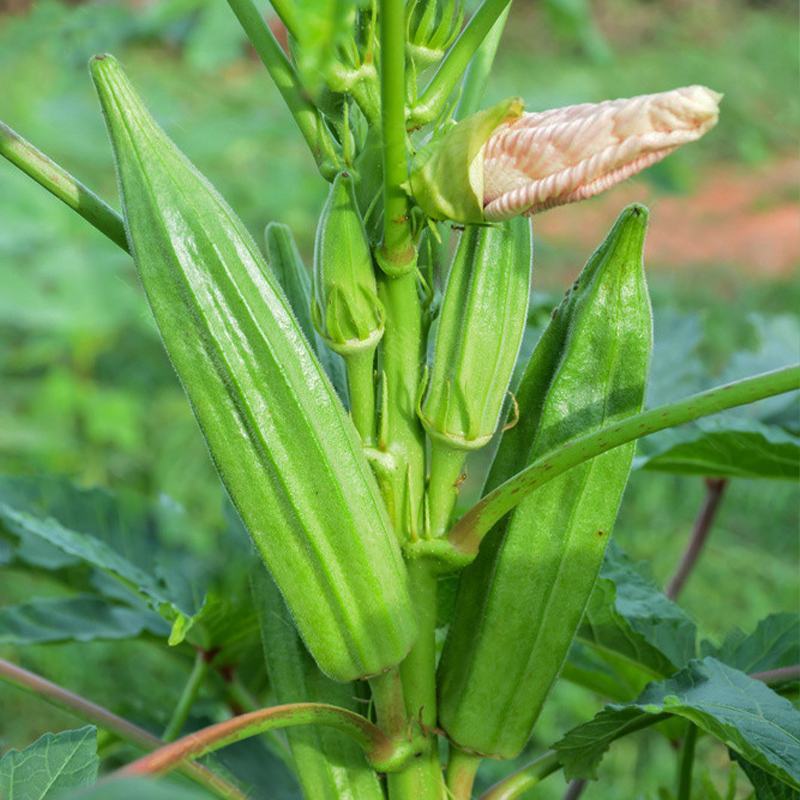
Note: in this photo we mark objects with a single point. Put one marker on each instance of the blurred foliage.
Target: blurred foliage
(89, 393)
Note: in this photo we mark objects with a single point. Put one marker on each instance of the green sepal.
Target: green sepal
(283, 444)
(447, 177)
(478, 334)
(521, 601)
(346, 310)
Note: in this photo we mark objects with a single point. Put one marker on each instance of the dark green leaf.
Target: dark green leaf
(743, 713)
(774, 643)
(53, 763)
(729, 447)
(766, 787)
(629, 616)
(82, 619)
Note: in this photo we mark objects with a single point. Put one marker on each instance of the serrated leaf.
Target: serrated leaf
(774, 643)
(743, 713)
(730, 447)
(116, 534)
(629, 616)
(53, 763)
(81, 619)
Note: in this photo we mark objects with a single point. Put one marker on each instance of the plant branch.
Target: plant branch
(22, 154)
(715, 488)
(107, 720)
(467, 533)
(432, 100)
(188, 696)
(526, 778)
(474, 86)
(575, 789)
(780, 675)
(687, 764)
(396, 255)
(307, 116)
(381, 751)
(287, 13)
(461, 771)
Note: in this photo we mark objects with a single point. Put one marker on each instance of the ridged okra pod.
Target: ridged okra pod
(328, 765)
(521, 601)
(281, 440)
(478, 337)
(346, 309)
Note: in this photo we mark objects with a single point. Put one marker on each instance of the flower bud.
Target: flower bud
(555, 157)
(346, 309)
(480, 327)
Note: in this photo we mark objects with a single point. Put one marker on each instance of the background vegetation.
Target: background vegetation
(87, 391)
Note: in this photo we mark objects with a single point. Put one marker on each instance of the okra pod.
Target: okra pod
(281, 440)
(520, 603)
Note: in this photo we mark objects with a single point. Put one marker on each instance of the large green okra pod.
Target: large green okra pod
(478, 337)
(521, 601)
(281, 440)
(329, 765)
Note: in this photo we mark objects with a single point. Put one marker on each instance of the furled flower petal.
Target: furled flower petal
(554, 157)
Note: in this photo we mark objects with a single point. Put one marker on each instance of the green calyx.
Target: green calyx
(345, 309)
(447, 179)
(479, 333)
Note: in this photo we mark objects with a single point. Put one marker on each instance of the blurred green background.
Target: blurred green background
(88, 393)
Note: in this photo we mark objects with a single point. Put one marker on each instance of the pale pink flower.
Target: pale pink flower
(554, 157)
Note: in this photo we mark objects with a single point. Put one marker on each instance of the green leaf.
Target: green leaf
(766, 787)
(116, 534)
(774, 643)
(727, 448)
(53, 763)
(743, 713)
(629, 616)
(82, 619)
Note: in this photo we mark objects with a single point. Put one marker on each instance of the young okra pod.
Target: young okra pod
(346, 309)
(478, 336)
(281, 440)
(520, 603)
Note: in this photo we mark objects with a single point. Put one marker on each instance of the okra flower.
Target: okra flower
(500, 163)
(555, 157)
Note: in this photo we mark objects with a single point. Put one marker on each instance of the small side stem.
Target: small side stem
(68, 189)
(575, 789)
(305, 113)
(480, 67)
(390, 707)
(361, 386)
(107, 720)
(433, 99)
(447, 464)
(461, 771)
(188, 696)
(526, 778)
(687, 764)
(715, 489)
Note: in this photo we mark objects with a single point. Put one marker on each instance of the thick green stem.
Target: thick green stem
(474, 86)
(432, 101)
(447, 464)
(188, 696)
(526, 778)
(305, 113)
(687, 764)
(396, 254)
(468, 532)
(383, 753)
(107, 720)
(461, 771)
(400, 365)
(361, 387)
(35, 164)
(390, 707)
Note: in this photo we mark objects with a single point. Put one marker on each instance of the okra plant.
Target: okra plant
(409, 631)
